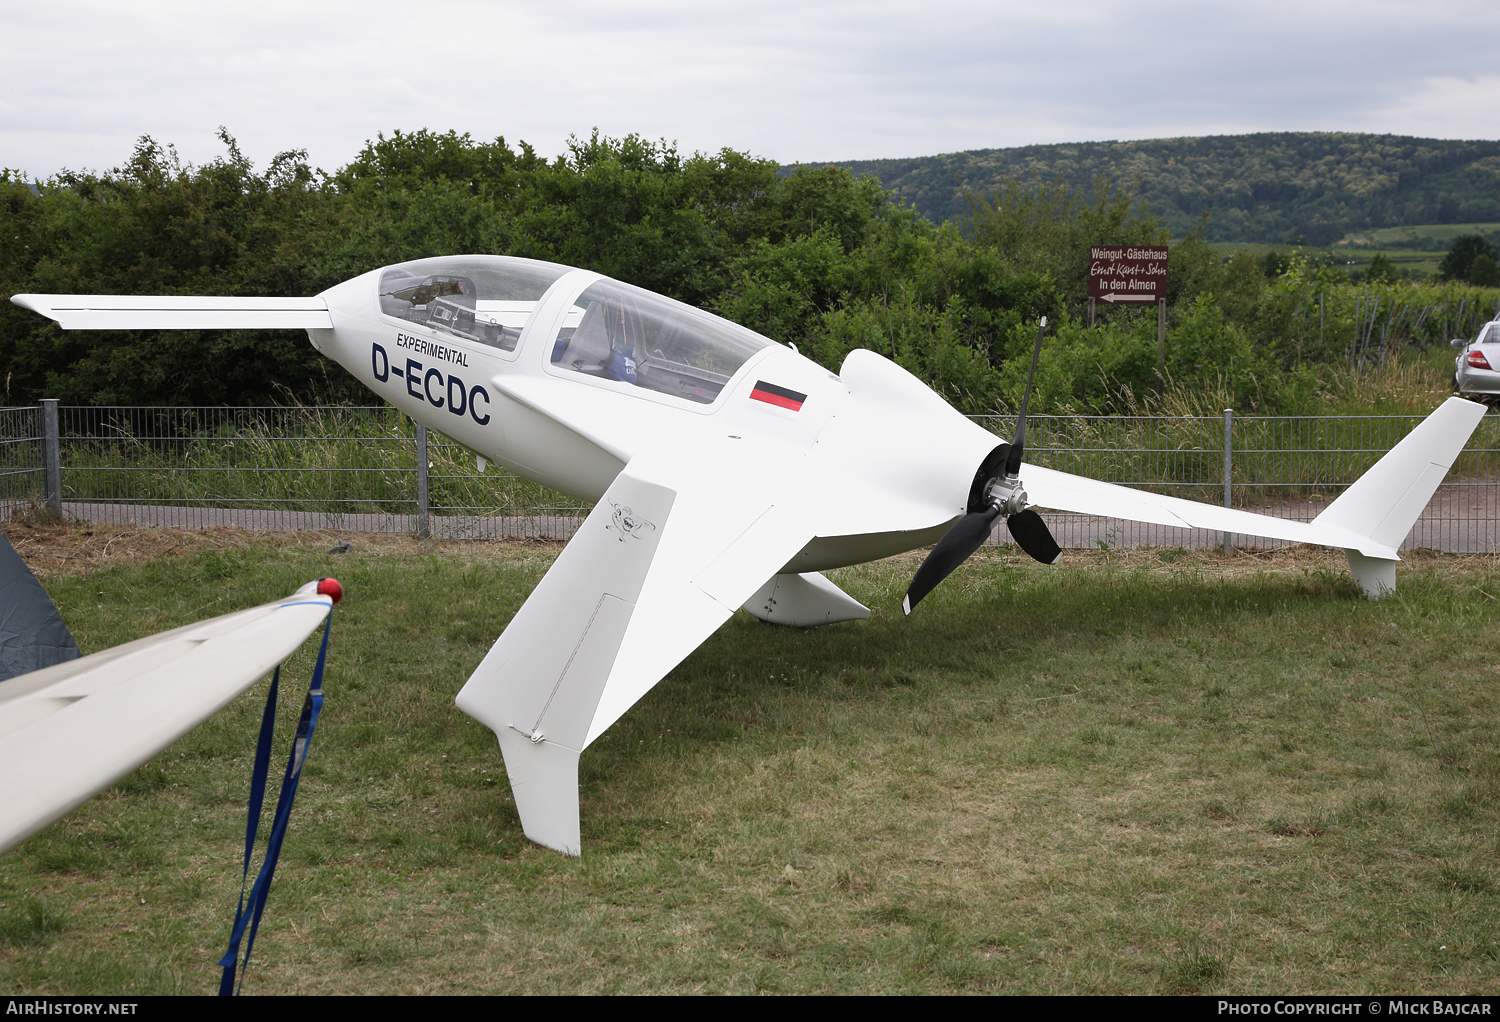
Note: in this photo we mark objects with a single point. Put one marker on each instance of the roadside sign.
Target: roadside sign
(1128, 274)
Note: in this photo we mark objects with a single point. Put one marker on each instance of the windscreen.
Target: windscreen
(486, 299)
(619, 332)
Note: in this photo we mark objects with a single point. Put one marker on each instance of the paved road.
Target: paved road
(1463, 517)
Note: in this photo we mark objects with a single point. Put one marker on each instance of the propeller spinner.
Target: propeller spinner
(992, 495)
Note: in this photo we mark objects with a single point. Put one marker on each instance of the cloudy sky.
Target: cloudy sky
(793, 80)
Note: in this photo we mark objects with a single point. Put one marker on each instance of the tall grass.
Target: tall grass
(335, 460)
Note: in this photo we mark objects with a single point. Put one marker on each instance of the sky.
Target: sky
(82, 80)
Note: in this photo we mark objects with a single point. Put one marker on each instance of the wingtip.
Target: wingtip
(906, 605)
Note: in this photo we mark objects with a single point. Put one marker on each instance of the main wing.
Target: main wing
(71, 730)
(680, 541)
(178, 312)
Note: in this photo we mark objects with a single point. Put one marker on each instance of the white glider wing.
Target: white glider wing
(178, 312)
(71, 730)
(680, 541)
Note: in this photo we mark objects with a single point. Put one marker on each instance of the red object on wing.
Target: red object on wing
(330, 587)
(779, 396)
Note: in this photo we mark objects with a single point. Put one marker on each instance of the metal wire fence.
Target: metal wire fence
(22, 469)
(361, 469)
(354, 468)
(1284, 466)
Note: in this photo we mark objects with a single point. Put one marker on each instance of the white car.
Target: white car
(1477, 368)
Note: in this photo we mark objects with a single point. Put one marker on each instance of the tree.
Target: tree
(1048, 227)
(1274, 264)
(1458, 264)
(158, 227)
(1485, 272)
(1381, 270)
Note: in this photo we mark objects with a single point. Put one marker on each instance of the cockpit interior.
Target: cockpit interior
(618, 332)
(484, 299)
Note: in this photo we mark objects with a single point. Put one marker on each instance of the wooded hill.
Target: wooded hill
(1276, 187)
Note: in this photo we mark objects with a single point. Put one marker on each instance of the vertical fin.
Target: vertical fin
(1375, 575)
(544, 779)
(1386, 501)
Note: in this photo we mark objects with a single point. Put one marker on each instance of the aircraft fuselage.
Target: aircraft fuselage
(574, 432)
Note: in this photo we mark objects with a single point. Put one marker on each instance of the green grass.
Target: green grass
(1421, 262)
(1144, 772)
(1424, 235)
(1418, 244)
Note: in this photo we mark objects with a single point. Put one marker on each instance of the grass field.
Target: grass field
(1421, 262)
(1418, 248)
(1423, 234)
(1151, 771)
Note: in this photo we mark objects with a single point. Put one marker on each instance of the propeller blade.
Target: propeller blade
(951, 551)
(1018, 445)
(1032, 535)
(973, 529)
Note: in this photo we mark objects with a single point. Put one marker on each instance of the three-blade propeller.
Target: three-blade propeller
(991, 496)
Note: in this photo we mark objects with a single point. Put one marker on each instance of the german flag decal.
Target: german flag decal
(779, 396)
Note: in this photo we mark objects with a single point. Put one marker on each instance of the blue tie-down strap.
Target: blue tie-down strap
(250, 913)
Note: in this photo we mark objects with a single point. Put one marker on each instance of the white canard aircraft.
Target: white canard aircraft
(728, 471)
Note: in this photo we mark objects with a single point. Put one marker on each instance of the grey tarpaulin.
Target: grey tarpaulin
(32, 634)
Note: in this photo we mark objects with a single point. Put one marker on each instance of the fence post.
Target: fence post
(1228, 469)
(1161, 335)
(421, 481)
(52, 456)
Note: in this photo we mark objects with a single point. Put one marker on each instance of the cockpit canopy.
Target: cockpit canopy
(485, 299)
(619, 332)
(613, 331)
